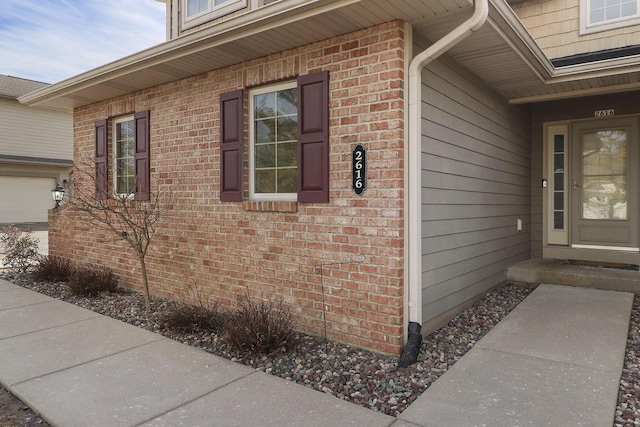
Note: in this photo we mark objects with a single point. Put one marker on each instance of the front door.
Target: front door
(604, 200)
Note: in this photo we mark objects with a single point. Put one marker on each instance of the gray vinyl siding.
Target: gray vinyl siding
(536, 190)
(34, 132)
(476, 183)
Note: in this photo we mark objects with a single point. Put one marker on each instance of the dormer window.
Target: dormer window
(194, 7)
(609, 10)
(196, 12)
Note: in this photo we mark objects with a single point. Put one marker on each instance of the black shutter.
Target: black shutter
(231, 146)
(102, 189)
(313, 137)
(141, 156)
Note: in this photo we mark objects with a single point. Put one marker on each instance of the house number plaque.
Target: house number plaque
(604, 113)
(359, 169)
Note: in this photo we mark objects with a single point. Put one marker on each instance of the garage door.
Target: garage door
(25, 199)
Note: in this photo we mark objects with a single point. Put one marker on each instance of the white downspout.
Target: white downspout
(414, 162)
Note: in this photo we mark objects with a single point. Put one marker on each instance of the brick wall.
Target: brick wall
(226, 249)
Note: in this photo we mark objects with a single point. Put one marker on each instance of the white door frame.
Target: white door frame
(556, 243)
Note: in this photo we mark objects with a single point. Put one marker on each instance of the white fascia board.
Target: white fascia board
(528, 50)
(548, 73)
(250, 23)
(607, 67)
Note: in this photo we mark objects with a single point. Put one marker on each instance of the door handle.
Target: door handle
(576, 184)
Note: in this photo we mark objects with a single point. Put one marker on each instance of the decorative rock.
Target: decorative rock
(361, 377)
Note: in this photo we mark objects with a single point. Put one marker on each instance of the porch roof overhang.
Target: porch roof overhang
(502, 52)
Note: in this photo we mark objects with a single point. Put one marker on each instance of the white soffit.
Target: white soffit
(501, 53)
(269, 30)
(505, 56)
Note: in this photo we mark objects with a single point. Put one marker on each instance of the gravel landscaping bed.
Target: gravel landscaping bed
(365, 378)
(628, 410)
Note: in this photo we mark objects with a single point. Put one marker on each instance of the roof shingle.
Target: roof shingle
(14, 87)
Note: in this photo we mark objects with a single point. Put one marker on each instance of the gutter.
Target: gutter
(414, 152)
(27, 160)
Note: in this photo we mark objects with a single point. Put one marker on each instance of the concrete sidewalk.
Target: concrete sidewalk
(555, 360)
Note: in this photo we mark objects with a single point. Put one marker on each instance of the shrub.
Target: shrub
(53, 269)
(20, 248)
(185, 317)
(260, 326)
(91, 281)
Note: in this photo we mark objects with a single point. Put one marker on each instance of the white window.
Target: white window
(273, 151)
(123, 137)
(601, 15)
(195, 7)
(196, 12)
(557, 174)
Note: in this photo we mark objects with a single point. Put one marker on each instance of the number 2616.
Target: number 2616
(359, 169)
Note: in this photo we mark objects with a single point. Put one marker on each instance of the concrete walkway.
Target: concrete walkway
(555, 360)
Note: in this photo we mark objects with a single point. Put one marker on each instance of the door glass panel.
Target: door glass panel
(559, 159)
(558, 220)
(558, 201)
(604, 179)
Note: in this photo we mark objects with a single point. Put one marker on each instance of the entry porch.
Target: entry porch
(608, 276)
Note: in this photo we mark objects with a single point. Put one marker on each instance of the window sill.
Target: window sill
(269, 206)
(613, 24)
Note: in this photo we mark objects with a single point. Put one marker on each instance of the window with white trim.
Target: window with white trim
(279, 115)
(127, 140)
(556, 175)
(601, 15)
(123, 135)
(195, 12)
(195, 7)
(273, 134)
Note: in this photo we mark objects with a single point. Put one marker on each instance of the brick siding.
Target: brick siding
(226, 249)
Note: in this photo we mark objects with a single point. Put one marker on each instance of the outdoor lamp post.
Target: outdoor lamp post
(58, 194)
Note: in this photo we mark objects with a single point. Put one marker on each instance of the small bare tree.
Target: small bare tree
(135, 222)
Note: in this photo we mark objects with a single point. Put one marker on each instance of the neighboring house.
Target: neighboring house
(480, 152)
(36, 152)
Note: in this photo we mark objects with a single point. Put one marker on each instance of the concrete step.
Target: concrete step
(559, 272)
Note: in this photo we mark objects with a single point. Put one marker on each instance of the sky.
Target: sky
(53, 40)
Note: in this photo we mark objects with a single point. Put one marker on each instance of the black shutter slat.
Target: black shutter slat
(141, 156)
(102, 189)
(231, 146)
(313, 137)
